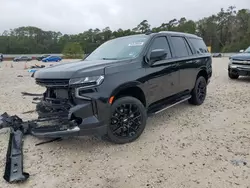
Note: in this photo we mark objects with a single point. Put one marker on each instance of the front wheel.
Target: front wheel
(127, 121)
(233, 75)
(199, 92)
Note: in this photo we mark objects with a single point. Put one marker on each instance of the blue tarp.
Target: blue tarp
(32, 70)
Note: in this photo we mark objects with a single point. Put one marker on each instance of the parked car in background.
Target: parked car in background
(239, 64)
(1, 57)
(217, 55)
(22, 58)
(42, 57)
(52, 59)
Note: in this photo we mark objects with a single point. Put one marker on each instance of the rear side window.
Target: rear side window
(180, 46)
(161, 43)
(199, 45)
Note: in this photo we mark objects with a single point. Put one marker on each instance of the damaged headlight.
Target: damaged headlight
(87, 81)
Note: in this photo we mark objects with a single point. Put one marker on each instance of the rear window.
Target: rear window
(199, 45)
(180, 46)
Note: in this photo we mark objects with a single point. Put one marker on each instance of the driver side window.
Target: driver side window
(161, 43)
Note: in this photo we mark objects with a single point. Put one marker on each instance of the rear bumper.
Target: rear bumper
(78, 120)
(241, 70)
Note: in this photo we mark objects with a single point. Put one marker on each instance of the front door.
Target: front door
(163, 76)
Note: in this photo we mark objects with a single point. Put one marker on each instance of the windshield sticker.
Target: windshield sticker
(136, 44)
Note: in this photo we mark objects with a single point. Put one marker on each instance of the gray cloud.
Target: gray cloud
(74, 16)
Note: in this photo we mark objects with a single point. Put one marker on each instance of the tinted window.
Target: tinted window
(199, 45)
(161, 43)
(180, 46)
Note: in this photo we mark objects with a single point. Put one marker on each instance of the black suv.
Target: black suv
(124, 80)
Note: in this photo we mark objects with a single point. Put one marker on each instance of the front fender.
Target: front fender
(126, 86)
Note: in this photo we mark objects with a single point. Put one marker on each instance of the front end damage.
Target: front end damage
(62, 113)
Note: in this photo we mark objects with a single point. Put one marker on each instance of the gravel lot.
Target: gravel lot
(185, 146)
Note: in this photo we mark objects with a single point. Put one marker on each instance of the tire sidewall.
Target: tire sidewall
(232, 75)
(195, 97)
(143, 112)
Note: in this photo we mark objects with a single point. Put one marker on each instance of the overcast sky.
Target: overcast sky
(75, 16)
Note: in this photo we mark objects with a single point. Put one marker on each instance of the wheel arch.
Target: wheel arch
(202, 72)
(132, 89)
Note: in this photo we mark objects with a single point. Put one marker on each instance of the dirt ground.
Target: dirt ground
(185, 146)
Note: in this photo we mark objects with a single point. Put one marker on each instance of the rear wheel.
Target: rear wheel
(199, 92)
(127, 121)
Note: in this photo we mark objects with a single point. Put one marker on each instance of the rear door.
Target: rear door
(163, 77)
(183, 56)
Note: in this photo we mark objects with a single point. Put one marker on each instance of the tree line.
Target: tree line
(226, 31)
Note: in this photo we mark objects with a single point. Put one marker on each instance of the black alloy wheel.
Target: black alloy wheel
(128, 120)
(199, 92)
(202, 90)
(233, 74)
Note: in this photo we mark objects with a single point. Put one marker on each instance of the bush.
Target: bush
(73, 50)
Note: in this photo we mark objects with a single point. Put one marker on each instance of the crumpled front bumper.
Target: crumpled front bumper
(78, 120)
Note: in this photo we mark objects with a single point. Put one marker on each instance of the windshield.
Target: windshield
(120, 48)
(247, 50)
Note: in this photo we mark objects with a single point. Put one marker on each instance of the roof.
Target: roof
(162, 32)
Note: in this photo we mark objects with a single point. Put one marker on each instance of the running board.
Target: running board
(171, 104)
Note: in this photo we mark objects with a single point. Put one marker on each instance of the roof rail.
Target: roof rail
(148, 32)
(180, 33)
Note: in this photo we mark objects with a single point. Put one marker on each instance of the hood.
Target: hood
(241, 56)
(74, 70)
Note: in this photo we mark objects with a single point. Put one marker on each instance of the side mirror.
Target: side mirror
(158, 54)
(241, 51)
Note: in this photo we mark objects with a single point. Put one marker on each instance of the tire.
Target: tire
(233, 75)
(124, 122)
(199, 92)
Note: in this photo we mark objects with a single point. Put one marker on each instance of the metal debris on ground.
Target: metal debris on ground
(238, 162)
(49, 141)
(30, 94)
(14, 157)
